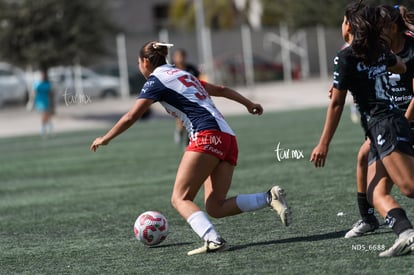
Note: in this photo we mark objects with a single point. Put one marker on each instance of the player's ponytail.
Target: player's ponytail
(155, 52)
(366, 25)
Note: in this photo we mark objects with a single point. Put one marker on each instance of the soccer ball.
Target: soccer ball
(151, 228)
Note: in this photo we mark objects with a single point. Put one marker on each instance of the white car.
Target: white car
(13, 86)
(79, 84)
(89, 84)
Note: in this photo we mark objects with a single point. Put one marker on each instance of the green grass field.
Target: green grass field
(66, 210)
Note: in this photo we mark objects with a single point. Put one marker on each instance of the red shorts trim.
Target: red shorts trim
(216, 143)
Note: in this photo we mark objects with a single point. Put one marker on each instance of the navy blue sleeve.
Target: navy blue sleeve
(152, 89)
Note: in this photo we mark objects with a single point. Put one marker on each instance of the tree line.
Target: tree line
(45, 33)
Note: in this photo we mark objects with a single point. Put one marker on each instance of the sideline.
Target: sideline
(274, 96)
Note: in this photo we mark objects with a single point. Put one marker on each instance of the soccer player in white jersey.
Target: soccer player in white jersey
(211, 155)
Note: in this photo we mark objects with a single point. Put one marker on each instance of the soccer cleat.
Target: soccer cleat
(403, 245)
(210, 247)
(362, 227)
(277, 201)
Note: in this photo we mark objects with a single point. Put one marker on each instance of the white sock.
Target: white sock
(43, 129)
(201, 225)
(49, 127)
(252, 202)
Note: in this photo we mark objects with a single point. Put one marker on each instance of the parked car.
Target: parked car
(93, 85)
(135, 79)
(13, 86)
(229, 69)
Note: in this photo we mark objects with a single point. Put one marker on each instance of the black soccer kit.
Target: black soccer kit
(383, 122)
(402, 84)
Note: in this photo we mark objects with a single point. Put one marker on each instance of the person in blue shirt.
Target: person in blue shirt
(43, 102)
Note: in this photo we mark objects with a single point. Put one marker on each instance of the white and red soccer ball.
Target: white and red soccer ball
(151, 228)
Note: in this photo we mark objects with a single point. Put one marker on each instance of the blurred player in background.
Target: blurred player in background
(179, 59)
(43, 102)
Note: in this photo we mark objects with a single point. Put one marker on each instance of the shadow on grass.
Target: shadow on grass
(169, 245)
(318, 237)
(311, 238)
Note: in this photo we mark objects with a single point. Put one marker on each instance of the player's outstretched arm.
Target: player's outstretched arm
(333, 116)
(222, 91)
(126, 121)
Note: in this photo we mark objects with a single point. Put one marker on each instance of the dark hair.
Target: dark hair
(181, 51)
(395, 16)
(408, 17)
(352, 9)
(155, 52)
(366, 26)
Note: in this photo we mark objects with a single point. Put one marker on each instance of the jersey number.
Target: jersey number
(191, 81)
(381, 86)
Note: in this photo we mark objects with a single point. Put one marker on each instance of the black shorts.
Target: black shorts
(389, 134)
(412, 130)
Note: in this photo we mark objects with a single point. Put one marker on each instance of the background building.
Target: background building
(143, 21)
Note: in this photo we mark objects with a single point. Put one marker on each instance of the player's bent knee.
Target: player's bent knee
(407, 188)
(408, 192)
(214, 212)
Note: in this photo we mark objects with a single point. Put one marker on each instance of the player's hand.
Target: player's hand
(255, 109)
(319, 154)
(98, 142)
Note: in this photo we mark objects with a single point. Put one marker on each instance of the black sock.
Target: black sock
(397, 220)
(365, 208)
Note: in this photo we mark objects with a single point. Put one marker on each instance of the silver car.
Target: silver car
(13, 87)
(72, 82)
(74, 85)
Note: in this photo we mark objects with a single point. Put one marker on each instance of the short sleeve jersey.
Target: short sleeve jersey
(402, 84)
(184, 97)
(368, 84)
(42, 89)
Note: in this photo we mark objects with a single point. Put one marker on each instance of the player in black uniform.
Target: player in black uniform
(363, 69)
(401, 42)
(179, 59)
